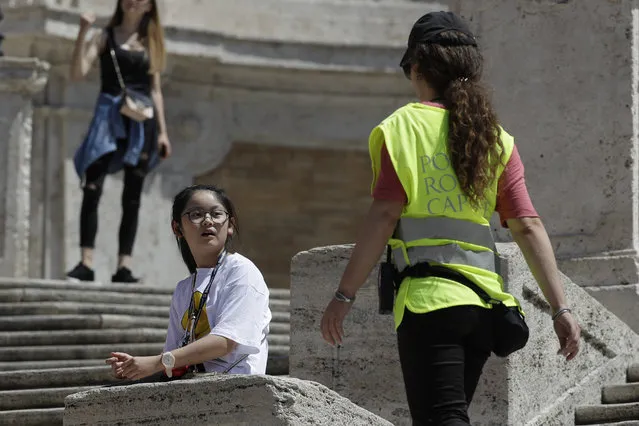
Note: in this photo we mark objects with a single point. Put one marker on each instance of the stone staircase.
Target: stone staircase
(619, 404)
(55, 335)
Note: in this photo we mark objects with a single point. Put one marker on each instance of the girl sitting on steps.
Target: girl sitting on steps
(219, 318)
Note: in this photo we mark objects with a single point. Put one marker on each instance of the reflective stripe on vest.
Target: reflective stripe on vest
(445, 228)
(448, 253)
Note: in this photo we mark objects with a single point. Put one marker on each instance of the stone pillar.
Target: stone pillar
(1, 35)
(20, 80)
(512, 391)
(565, 79)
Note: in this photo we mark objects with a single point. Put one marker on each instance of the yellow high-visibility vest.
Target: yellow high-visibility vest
(438, 224)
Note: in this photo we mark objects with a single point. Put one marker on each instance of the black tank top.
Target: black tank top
(134, 66)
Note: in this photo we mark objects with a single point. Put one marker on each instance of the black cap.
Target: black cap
(428, 28)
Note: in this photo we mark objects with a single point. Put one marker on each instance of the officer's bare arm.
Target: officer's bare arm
(377, 228)
(531, 237)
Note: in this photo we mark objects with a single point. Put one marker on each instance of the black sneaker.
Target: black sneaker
(81, 273)
(124, 275)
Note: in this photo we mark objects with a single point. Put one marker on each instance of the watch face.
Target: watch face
(168, 359)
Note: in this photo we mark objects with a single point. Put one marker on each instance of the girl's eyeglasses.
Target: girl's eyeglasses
(197, 216)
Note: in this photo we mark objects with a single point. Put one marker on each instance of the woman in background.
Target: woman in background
(133, 43)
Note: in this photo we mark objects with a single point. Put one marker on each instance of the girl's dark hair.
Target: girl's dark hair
(474, 142)
(179, 204)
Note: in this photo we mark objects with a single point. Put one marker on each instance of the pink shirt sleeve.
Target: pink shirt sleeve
(388, 186)
(513, 200)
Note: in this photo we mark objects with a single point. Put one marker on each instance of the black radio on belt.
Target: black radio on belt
(386, 285)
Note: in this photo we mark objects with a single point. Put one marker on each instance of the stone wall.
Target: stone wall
(289, 199)
(513, 391)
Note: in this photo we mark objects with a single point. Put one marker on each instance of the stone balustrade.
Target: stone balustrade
(512, 391)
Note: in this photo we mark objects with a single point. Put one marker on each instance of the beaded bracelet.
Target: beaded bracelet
(342, 298)
(560, 312)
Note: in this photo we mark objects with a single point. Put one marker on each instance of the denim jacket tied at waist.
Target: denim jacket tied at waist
(107, 126)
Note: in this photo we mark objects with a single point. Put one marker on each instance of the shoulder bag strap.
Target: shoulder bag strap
(240, 359)
(111, 41)
(425, 269)
(444, 272)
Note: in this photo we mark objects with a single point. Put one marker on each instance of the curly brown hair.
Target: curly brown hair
(474, 142)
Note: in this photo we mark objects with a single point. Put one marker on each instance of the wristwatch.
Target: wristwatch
(168, 361)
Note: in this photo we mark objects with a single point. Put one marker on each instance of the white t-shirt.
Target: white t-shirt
(237, 308)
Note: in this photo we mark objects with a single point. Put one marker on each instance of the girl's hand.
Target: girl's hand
(134, 367)
(164, 146)
(86, 20)
(116, 363)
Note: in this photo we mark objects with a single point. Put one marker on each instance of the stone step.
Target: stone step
(278, 359)
(277, 364)
(78, 322)
(72, 352)
(633, 374)
(279, 293)
(279, 305)
(56, 377)
(620, 394)
(609, 413)
(96, 321)
(103, 336)
(78, 337)
(280, 328)
(37, 398)
(35, 417)
(36, 353)
(278, 351)
(29, 302)
(276, 317)
(78, 308)
(22, 283)
(101, 374)
(278, 340)
(26, 295)
(44, 365)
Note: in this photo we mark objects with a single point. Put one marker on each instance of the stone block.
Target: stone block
(217, 399)
(366, 368)
(513, 391)
(623, 300)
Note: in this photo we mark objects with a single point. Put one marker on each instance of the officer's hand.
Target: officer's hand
(568, 332)
(333, 320)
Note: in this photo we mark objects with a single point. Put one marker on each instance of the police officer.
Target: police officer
(442, 166)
